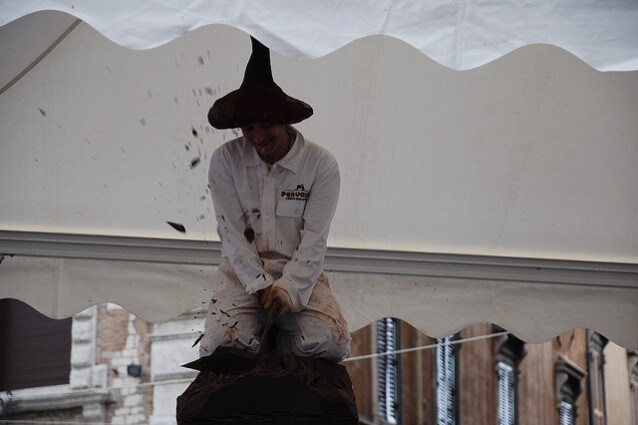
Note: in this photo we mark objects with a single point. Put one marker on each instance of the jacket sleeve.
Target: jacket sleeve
(241, 254)
(301, 273)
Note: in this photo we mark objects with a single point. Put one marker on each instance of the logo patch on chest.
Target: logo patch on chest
(298, 194)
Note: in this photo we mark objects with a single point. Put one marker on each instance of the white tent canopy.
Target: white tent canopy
(459, 35)
(502, 194)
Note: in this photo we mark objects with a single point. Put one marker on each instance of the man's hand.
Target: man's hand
(270, 294)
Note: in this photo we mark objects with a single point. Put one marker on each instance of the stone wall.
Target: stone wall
(122, 341)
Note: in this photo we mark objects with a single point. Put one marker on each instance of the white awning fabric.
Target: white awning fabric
(459, 35)
(61, 275)
(504, 193)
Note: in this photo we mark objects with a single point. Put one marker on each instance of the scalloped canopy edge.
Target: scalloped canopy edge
(458, 36)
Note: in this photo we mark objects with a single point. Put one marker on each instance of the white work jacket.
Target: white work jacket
(275, 221)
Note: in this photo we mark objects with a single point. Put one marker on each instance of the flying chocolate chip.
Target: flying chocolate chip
(177, 226)
(195, 162)
(199, 338)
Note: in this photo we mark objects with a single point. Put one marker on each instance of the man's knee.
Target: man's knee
(230, 329)
(243, 341)
(327, 347)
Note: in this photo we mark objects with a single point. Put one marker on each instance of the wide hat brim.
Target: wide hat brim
(249, 105)
(259, 99)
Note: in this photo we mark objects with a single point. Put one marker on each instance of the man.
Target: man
(274, 194)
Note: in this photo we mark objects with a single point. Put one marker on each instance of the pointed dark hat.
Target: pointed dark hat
(258, 99)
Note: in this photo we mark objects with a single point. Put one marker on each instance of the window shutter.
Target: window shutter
(387, 370)
(566, 413)
(445, 381)
(35, 351)
(506, 394)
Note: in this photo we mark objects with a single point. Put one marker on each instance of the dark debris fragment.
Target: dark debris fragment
(199, 338)
(177, 226)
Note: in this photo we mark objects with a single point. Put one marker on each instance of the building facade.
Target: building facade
(120, 369)
(485, 375)
(105, 365)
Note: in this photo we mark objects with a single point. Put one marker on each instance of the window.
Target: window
(509, 353)
(568, 384)
(35, 351)
(595, 364)
(445, 381)
(387, 370)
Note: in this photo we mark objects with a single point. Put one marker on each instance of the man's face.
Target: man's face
(269, 140)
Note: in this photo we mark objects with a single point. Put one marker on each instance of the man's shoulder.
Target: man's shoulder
(318, 153)
(235, 145)
(233, 149)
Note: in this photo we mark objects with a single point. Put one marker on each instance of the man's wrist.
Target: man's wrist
(263, 281)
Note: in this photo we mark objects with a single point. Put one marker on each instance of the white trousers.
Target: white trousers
(236, 319)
